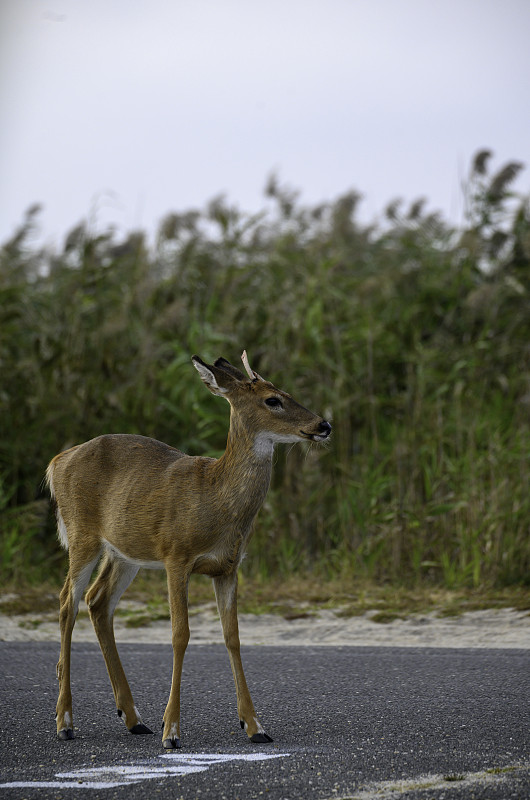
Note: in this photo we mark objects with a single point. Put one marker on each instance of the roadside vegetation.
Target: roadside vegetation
(411, 335)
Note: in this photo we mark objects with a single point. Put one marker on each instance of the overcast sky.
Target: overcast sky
(124, 110)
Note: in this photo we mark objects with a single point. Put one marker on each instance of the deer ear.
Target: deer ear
(217, 381)
(225, 365)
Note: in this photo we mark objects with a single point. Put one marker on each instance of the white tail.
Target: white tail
(136, 502)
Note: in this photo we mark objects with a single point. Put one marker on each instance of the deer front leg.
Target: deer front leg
(226, 595)
(178, 605)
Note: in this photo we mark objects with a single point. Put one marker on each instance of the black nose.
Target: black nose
(325, 427)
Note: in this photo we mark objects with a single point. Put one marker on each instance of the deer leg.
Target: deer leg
(102, 598)
(226, 595)
(178, 604)
(71, 593)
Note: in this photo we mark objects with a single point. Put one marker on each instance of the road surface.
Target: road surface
(347, 722)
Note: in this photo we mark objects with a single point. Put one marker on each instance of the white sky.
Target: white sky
(124, 110)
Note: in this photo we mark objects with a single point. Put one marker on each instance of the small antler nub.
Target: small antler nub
(250, 372)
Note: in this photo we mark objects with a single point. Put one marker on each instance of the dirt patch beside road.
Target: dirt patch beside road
(491, 628)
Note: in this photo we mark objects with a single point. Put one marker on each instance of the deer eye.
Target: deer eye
(274, 402)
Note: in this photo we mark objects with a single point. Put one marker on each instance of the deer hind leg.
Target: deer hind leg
(81, 565)
(226, 595)
(114, 576)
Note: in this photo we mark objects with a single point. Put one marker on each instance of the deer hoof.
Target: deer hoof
(261, 738)
(66, 733)
(172, 743)
(140, 728)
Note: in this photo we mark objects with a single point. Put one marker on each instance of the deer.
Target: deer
(126, 501)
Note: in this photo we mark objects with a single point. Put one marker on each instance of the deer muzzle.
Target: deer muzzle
(324, 430)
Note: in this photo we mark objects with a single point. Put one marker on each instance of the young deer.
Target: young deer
(136, 502)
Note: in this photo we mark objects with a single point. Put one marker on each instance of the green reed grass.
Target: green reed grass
(412, 336)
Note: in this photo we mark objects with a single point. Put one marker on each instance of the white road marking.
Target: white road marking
(170, 765)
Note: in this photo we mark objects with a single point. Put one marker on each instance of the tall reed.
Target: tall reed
(412, 335)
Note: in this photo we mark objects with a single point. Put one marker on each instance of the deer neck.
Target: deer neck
(245, 468)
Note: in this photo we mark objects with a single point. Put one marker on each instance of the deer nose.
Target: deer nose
(324, 428)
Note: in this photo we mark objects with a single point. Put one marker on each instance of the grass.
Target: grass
(391, 789)
(292, 598)
(501, 770)
(28, 599)
(411, 336)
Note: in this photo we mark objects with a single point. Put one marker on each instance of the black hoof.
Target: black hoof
(261, 738)
(171, 744)
(140, 728)
(66, 733)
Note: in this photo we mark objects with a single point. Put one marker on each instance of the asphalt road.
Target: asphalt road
(346, 722)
